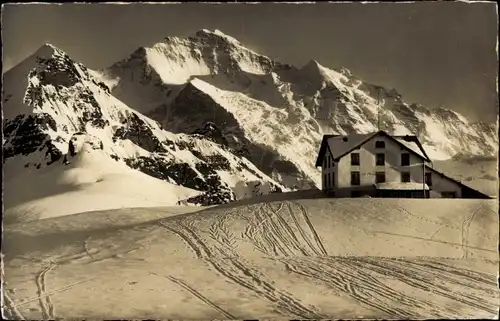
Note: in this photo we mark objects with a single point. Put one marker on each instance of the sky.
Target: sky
(438, 54)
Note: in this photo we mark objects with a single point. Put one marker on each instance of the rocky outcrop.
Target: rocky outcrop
(65, 107)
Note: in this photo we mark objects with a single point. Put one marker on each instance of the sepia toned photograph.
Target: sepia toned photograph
(230, 161)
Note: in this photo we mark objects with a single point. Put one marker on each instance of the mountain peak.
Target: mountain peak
(314, 70)
(216, 33)
(313, 63)
(47, 50)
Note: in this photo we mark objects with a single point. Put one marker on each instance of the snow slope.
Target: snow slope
(91, 182)
(342, 258)
(260, 125)
(52, 104)
(228, 84)
(480, 173)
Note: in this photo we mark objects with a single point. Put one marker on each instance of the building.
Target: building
(442, 185)
(381, 165)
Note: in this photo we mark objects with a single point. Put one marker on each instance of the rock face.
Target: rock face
(56, 105)
(275, 114)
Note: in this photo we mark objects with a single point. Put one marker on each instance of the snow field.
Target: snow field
(302, 258)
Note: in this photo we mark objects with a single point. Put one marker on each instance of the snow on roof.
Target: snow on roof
(401, 186)
(340, 145)
(412, 145)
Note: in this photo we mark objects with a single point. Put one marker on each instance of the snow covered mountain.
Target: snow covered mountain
(64, 131)
(273, 113)
(201, 119)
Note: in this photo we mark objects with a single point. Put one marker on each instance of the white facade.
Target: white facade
(368, 168)
(339, 173)
(336, 176)
(441, 186)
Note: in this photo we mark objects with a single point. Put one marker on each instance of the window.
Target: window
(428, 179)
(333, 180)
(329, 160)
(380, 161)
(355, 178)
(405, 177)
(380, 177)
(328, 181)
(355, 159)
(405, 159)
(324, 181)
(380, 144)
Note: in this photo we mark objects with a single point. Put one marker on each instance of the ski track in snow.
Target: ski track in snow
(13, 306)
(353, 276)
(279, 237)
(284, 233)
(339, 275)
(465, 230)
(10, 308)
(471, 279)
(296, 244)
(86, 248)
(311, 228)
(197, 294)
(427, 280)
(44, 299)
(247, 277)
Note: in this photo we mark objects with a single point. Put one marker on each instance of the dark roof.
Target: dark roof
(322, 149)
(413, 138)
(351, 142)
(465, 189)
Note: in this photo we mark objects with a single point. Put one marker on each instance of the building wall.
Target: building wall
(368, 166)
(442, 184)
(341, 170)
(325, 170)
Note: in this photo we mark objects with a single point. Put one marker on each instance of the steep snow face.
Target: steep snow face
(151, 77)
(62, 109)
(261, 126)
(443, 132)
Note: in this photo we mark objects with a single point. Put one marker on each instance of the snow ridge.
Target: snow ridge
(63, 115)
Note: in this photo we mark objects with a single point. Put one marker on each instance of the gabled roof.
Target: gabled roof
(322, 149)
(342, 145)
(467, 189)
(412, 142)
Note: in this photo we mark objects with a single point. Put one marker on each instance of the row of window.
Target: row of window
(380, 159)
(329, 178)
(328, 161)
